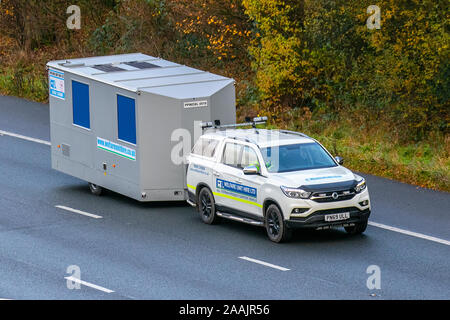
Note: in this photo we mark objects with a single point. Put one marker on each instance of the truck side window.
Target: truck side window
(205, 147)
(198, 147)
(249, 158)
(231, 154)
(210, 148)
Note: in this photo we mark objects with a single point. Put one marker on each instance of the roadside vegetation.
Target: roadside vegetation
(379, 97)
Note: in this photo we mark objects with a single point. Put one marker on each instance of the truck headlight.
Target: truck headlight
(295, 193)
(361, 186)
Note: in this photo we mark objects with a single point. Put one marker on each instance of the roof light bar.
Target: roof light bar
(216, 124)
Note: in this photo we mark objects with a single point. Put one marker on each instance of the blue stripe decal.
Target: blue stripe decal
(237, 188)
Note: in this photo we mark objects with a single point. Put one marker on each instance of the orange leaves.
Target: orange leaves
(226, 34)
(275, 49)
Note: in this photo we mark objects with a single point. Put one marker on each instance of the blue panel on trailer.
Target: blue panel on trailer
(80, 104)
(126, 117)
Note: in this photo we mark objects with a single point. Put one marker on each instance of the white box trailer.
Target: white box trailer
(112, 118)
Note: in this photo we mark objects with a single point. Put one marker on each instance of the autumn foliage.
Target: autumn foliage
(320, 55)
(309, 65)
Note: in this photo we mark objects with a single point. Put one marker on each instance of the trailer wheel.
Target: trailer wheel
(206, 206)
(95, 189)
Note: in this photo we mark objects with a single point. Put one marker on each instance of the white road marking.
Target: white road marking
(264, 263)
(19, 136)
(409, 233)
(79, 212)
(87, 284)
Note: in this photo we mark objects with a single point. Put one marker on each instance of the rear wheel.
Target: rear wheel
(95, 189)
(358, 228)
(276, 228)
(206, 206)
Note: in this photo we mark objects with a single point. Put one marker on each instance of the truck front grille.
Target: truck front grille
(337, 210)
(331, 196)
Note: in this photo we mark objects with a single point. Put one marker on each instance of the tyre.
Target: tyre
(276, 228)
(206, 206)
(357, 228)
(95, 189)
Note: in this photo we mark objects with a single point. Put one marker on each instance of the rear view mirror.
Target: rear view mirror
(339, 160)
(250, 170)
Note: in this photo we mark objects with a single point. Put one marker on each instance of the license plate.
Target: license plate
(337, 216)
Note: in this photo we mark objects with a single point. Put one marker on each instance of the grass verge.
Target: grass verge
(378, 150)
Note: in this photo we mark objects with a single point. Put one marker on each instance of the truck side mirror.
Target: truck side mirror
(339, 160)
(250, 170)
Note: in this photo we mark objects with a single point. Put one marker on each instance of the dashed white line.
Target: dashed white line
(409, 233)
(87, 284)
(19, 136)
(264, 263)
(79, 212)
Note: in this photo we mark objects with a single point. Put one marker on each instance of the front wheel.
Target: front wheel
(357, 228)
(207, 207)
(95, 189)
(276, 228)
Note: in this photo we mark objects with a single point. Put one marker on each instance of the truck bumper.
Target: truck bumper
(317, 219)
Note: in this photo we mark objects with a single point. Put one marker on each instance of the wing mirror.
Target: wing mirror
(250, 170)
(339, 160)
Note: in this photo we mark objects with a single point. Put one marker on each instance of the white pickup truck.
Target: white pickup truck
(276, 179)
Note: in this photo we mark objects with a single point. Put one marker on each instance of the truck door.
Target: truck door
(233, 189)
(252, 183)
(225, 177)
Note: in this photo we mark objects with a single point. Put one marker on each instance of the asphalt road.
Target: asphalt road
(164, 251)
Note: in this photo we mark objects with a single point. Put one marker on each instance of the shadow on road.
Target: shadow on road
(188, 217)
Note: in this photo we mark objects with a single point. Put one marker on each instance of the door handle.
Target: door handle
(216, 174)
(238, 180)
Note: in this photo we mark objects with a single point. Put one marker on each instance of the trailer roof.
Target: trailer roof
(138, 72)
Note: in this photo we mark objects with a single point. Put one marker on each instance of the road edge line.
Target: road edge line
(19, 136)
(264, 263)
(88, 284)
(79, 212)
(409, 233)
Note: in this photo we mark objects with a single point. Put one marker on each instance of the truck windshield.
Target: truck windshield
(295, 157)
